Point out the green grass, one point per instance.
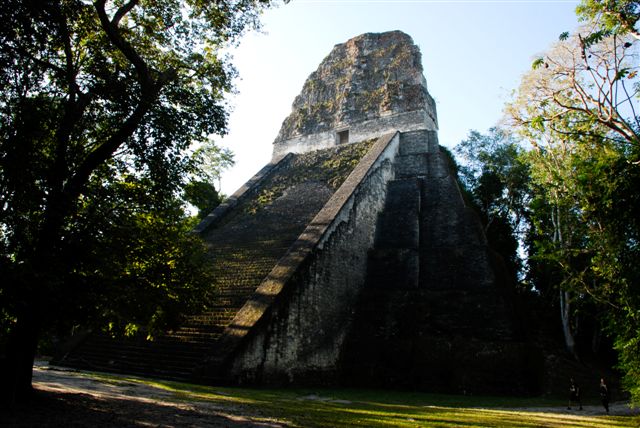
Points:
(377, 408)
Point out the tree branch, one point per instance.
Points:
(45, 64)
(105, 151)
(120, 13)
(113, 33)
(616, 126)
(626, 23)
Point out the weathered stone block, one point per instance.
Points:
(415, 165)
(315, 285)
(454, 332)
(415, 142)
(432, 141)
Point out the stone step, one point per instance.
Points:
(164, 371)
(196, 337)
(194, 327)
(160, 347)
(152, 362)
(173, 355)
(212, 319)
(231, 292)
(169, 360)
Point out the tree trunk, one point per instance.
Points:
(565, 314)
(21, 351)
(565, 298)
(32, 309)
(596, 339)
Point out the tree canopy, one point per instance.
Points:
(578, 110)
(612, 16)
(497, 177)
(101, 105)
(567, 165)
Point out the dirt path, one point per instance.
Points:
(68, 398)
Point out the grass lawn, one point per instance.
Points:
(375, 408)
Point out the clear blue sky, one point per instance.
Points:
(473, 54)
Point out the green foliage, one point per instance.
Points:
(101, 103)
(211, 160)
(594, 38)
(202, 195)
(584, 173)
(496, 177)
(339, 167)
(628, 346)
(156, 271)
(330, 166)
(537, 63)
(620, 16)
(266, 197)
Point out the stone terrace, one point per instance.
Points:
(245, 244)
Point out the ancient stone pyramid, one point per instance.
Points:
(351, 258)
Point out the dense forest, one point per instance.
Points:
(556, 184)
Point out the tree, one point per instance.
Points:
(578, 108)
(586, 85)
(97, 98)
(559, 232)
(202, 195)
(613, 16)
(497, 177)
(212, 161)
(200, 192)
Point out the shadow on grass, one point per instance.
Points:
(56, 409)
(81, 399)
(376, 408)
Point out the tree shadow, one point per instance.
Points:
(53, 409)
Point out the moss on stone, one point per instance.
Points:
(248, 243)
(329, 166)
(369, 75)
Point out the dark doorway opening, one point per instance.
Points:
(343, 137)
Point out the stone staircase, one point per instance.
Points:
(179, 353)
(244, 246)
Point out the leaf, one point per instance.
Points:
(563, 36)
(595, 37)
(537, 63)
(621, 74)
(538, 123)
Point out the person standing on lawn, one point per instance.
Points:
(604, 394)
(574, 395)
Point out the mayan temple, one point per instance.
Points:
(351, 258)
